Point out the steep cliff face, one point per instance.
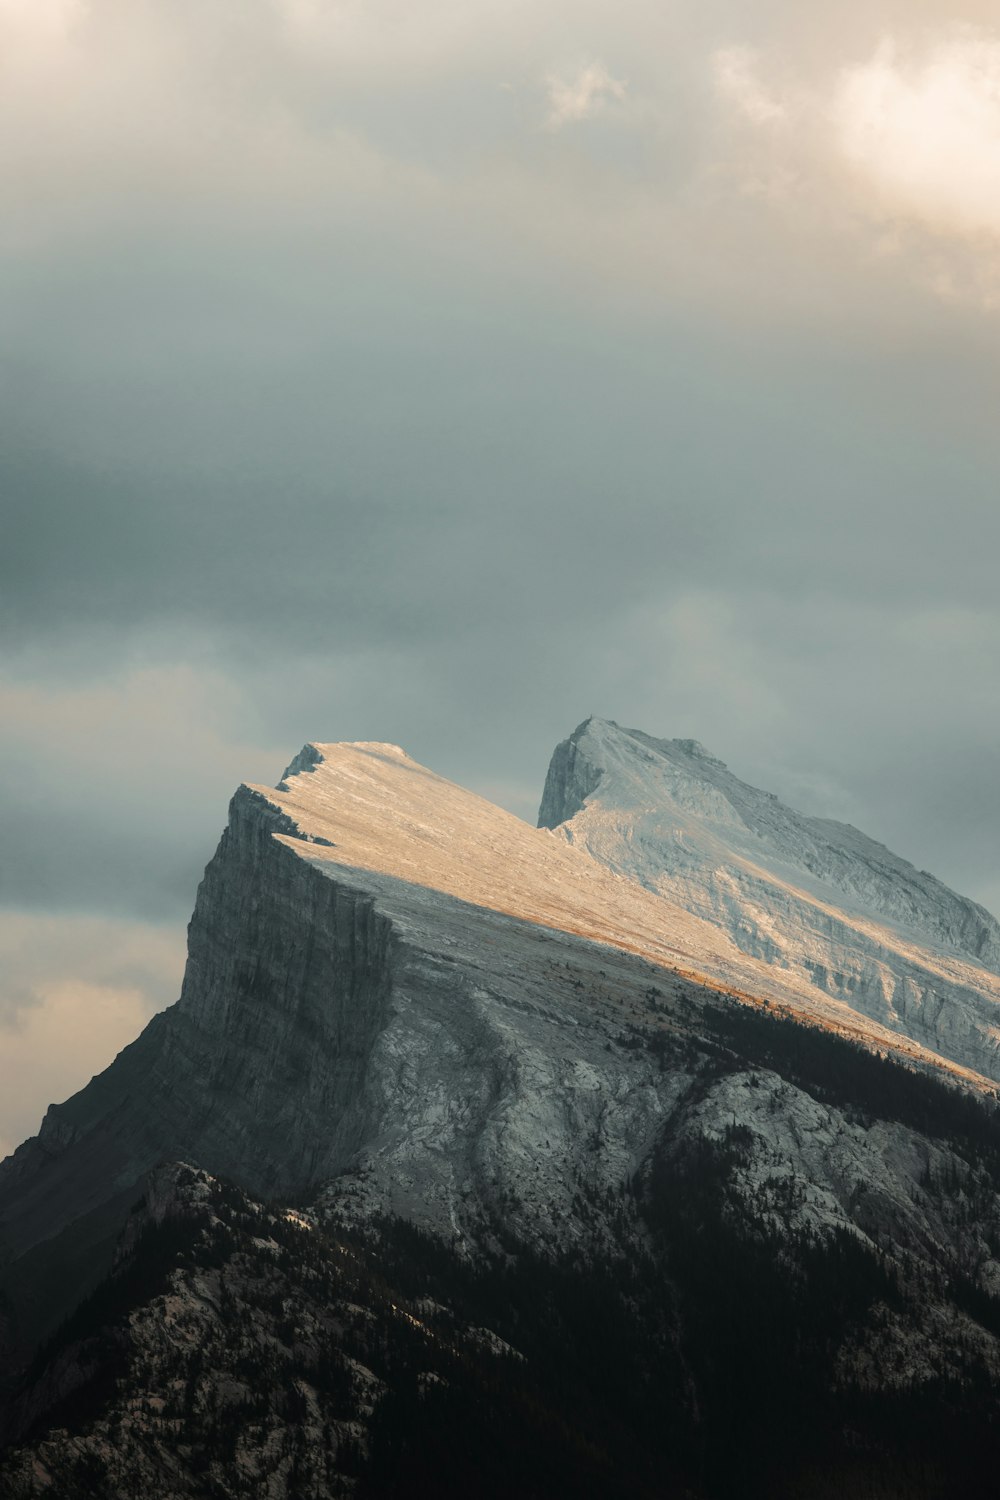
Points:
(258, 1070)
(815, 900)
(289, 978)
(285, 990)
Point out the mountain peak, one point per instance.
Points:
(308, 758)
(598, 747)
(696, 750)
(314, 753)
(608, 731)
(808, 896)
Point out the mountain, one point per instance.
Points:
(816, 900)
(440, 1083)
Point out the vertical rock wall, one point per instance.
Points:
(255, 1074)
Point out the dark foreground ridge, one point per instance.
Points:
(240, 1348)
(236, 1352)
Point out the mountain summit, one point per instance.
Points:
(814, 899)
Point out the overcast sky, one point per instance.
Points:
(445, 373)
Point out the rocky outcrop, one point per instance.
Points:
(571, 778)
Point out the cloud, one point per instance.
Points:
(343, 401)
(76, 990)
(114, 790)
(921, 126)
(73, 1032)
(896, 156)
(33, 24)
(580, 97)
(737, 80)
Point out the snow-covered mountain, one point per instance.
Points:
(390, 975)
(653, 1061)
(816, 900)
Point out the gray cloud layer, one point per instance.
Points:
(444, 379)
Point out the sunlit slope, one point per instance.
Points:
(369, 809)
(816, 901)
